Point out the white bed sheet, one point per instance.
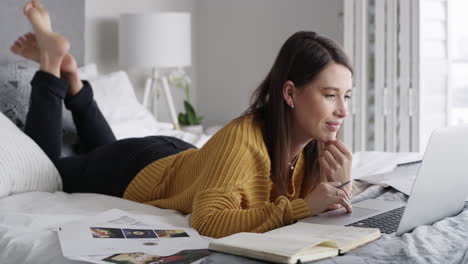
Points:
(28, 221)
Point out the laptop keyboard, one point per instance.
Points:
(387, 222)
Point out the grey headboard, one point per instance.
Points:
(68, 19)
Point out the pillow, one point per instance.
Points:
(116, 99)
(15, 90)
(23, 165)
(88, 71)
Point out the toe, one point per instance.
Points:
(31, 38)
(15, 49)
(36, 3)
(40, 8)
(27, 7)
(19, 44)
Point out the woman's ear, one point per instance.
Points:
(288, 93)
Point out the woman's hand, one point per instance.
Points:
(336, 162)
(325, 196)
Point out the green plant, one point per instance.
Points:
(189, 118)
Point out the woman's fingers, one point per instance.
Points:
(343, 149)
(338, 150)
(324, 164)
(339, 190)
(342, 192)
(347, 194)
(336, 153)
(334, 184)
(330, 198)
(340, 195)
(339, 161)
(330, 159)
(344, 202)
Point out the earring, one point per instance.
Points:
(292, 105)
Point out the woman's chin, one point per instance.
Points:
(327, 137)
(324, 135)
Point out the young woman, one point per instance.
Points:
(277, 163)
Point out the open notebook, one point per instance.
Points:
(298, 242)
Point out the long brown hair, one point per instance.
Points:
(301, 58)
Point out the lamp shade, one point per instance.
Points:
(155, 40)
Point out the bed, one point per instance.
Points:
(28, 221)
(32, 206)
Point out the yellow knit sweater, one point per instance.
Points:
(225, 184)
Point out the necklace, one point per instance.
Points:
(293, 162)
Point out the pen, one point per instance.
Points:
(343, 185)
(409, 163)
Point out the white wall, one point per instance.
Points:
(234, 44)
(101, 39)
(13, 24)
(237, 42)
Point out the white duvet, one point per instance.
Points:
(28, 222)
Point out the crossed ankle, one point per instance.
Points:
(46, 82)
(74, 82)
(81, 99)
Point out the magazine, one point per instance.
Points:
(116, 235)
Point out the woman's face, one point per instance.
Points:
(322, 104)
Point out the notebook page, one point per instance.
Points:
(260, 243)
(342, 236)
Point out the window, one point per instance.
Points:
(444, 65)
(458, 69)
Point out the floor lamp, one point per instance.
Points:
(161, 41)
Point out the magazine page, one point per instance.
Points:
(116, 232)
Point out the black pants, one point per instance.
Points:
(108, 165)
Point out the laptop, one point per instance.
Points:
(439, 191)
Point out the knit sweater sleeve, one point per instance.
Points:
(236, 195)
(218, 214)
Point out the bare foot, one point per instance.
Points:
(52, 46)
(26, 47)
